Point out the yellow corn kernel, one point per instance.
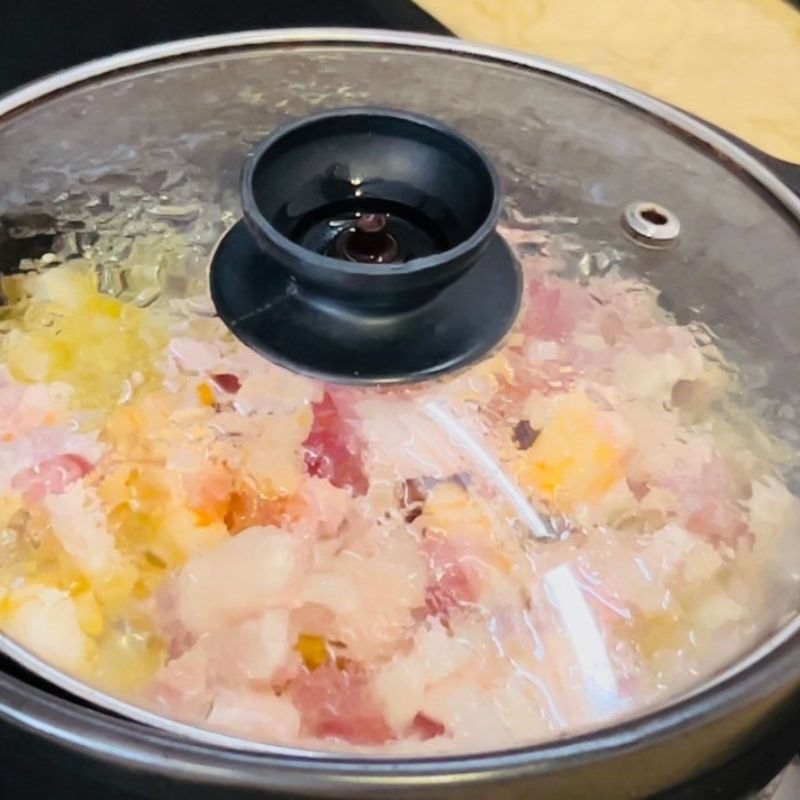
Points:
(205, 394)
(91, 341)
(128, 657)
(79, 586)
(105, 306)
(90, 616)
(313, 650)
(205, 518)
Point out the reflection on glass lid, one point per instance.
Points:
(590, 521)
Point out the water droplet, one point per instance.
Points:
(185, 213)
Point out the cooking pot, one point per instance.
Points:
(614, 173)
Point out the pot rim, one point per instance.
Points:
(127, 742)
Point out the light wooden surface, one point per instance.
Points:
(734, 62)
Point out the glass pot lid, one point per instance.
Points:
(585, 520)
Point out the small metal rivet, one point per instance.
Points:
(650, 224)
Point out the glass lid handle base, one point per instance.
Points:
(368, 251)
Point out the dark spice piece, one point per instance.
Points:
(414, 491)
(524, 435)
(413, 513)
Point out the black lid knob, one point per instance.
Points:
(356, 260)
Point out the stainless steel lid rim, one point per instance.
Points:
(126, 743)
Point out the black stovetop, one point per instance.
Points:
(41, 36)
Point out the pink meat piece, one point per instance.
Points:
(339, 704)
(404, 441)
(238, 579)
(193, 355)
(47, 444)
(326, 507)
(710, 502)
(250, 652)
(255, 715)
(371, 586)
(453, 580)
(333, 448)
(555, 307)
(51, 476)
(181, 688)
(237, 658)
